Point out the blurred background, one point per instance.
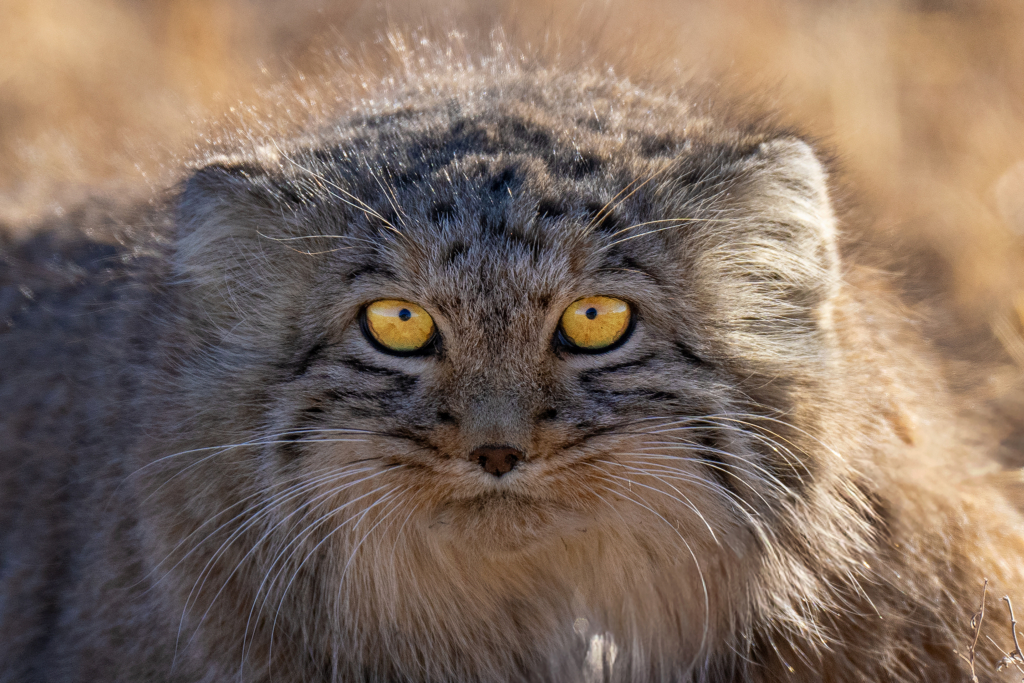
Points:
(921, 101)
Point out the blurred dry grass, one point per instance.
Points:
(923, 101)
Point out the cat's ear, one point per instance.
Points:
(773, 256)
(235, 222)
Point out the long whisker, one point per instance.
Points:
(290, 493)
(394, 495)
(737, 419)
(618, 490)
(197, 588)
(303, 484)
(316, 237)
(650, 449)
(757, 431)
(665, 474)
(612, 203)
(301, 251)
(333, 472)
(666, 426)
(658, 470)
(258, 441)
(199, 462)
(297, 539)
(352, 201)
(401, 530)
(684, 500)
(678, 224)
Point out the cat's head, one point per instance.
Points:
(500, 320)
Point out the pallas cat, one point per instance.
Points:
(504, 373)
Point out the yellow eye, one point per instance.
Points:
(399, 326)
(596, 322)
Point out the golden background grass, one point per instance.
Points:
(922, 102)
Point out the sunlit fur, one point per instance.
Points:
(224, 479)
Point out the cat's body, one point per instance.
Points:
(211, 471)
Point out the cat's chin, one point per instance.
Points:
(503, 523)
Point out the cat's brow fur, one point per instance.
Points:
(210, 473)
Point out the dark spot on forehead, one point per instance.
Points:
(442, 212)
(586, 164)
(494, 224)
(593, 121)
(387, 119)
(290, 194)
(517, 240)
(575, 164)
(504, 181)
(519, 131)
(496, 318)
(657, 145)
(409, 177)
(540, 299)
(456, 252)
(549, 208)
(603, 217)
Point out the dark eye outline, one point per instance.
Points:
(563, 343)
(431, 347)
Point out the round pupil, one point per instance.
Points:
(404, 314)
(591, 313)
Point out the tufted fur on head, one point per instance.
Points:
(762, 480)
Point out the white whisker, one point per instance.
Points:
(618, 490)
(298, 539)
(274, 503)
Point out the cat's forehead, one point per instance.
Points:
(501, 231)
(521, 197)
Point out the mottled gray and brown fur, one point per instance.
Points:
(210, 474)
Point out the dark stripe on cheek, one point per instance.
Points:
(790, 466)
(360, 366)
(590, 375)
(590, 431)
(689, 354)
(708, 445)
(378, 398)
(651, 394)
(291, 448)
(308, 358)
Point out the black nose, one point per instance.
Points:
(496, 460)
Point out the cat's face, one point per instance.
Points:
(502, 426)
(496, 421)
